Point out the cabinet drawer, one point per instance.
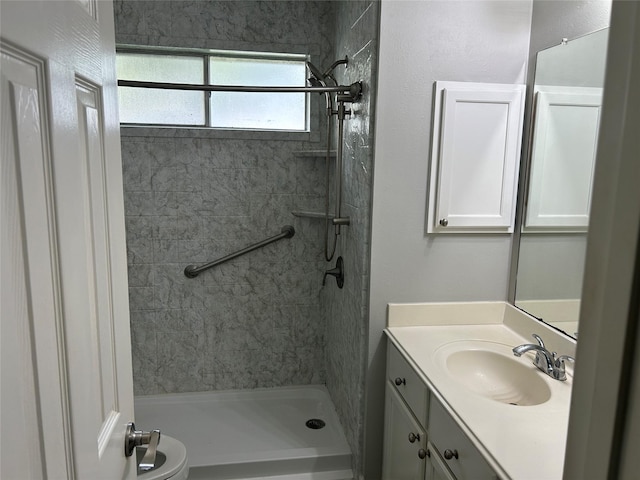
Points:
(447, 437)
(408, 384)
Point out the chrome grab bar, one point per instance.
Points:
(192, 271)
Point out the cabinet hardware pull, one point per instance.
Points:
(449, 454)
(444, 222)
(422, 453)
(400, 381)
(413, 437)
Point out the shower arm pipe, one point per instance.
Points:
(192, 271)
(354, 90)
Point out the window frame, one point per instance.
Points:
(205, 55)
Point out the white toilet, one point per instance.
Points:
(171, 461)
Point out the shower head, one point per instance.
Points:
(316, 79)
(314, 82)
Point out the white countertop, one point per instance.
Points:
(519, 442)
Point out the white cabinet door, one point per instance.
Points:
(461, 457)
(436, 469)
(66, 362)
(401, 456)
(477, 133)
(563, 156)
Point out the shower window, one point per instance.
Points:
(223, 110)
(264, 111)
(160, 107)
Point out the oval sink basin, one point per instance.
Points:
(489, 369)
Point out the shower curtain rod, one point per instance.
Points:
(354, 90)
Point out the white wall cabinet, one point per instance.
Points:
(421, 440)
(475, 157)
(563, 156)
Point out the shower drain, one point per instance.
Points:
(315, 423)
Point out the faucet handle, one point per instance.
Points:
(559, 371)
(538, 339)
(560, 360)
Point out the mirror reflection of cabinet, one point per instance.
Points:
(565, 133)
(567, 95)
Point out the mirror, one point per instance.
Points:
(567, 95)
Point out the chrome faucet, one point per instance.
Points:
(545, 360)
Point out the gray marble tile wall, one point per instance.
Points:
(253, 322)
(194, 195)
(346, 311)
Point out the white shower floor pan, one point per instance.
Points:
(252, 434)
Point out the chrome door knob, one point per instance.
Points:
(136, 438)
(444, 222)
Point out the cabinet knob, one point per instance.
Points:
(449, 454)
(444, 222)
(413, 437)
(422, 453)
(400, 381)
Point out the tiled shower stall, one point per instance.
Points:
(193, 195)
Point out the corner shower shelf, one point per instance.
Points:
(315, 153)
(307, 214)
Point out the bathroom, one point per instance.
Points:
(329, 335)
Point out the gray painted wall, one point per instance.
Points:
(421, 42)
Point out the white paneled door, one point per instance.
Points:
(66, 394)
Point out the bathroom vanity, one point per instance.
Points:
(460, 405)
